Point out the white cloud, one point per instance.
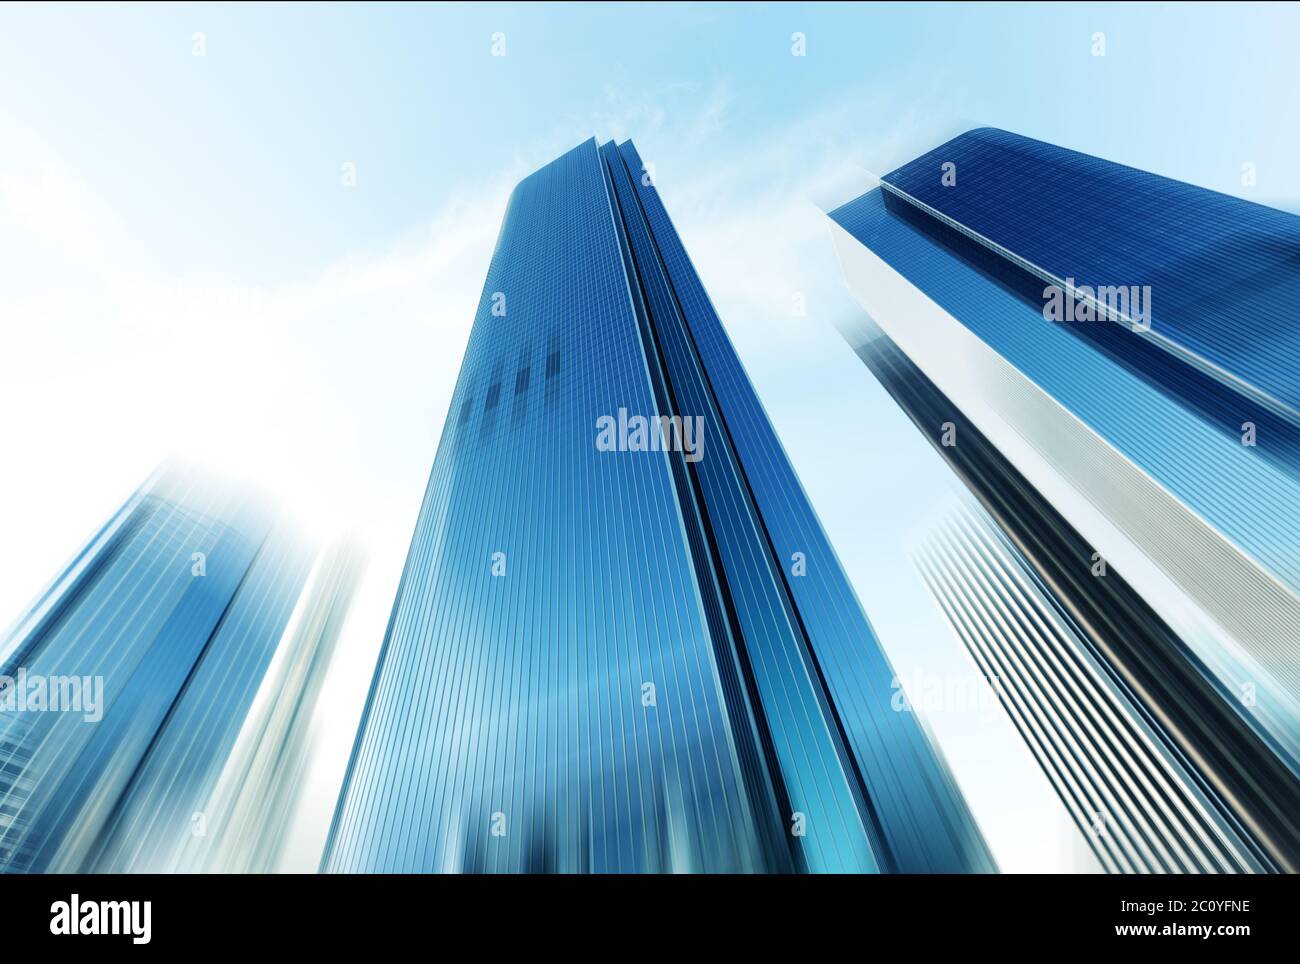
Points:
(339, 380)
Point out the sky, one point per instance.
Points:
(257, 236)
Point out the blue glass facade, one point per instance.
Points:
(1176, 422)
(1223, 270)
(1187, 404)
(169, 617)
(632, 660)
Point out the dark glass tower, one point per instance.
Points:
(1107, 358)
(617, 650)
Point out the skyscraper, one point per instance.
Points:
(1106, 357)
(1138, 806)
(622, 641)
(250, 810)
(127, 683)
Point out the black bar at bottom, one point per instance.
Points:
(462, 916)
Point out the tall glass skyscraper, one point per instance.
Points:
(622, 641)
(124, 689)
(1108, 357)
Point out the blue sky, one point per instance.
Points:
(182, 265)
(247, 141)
